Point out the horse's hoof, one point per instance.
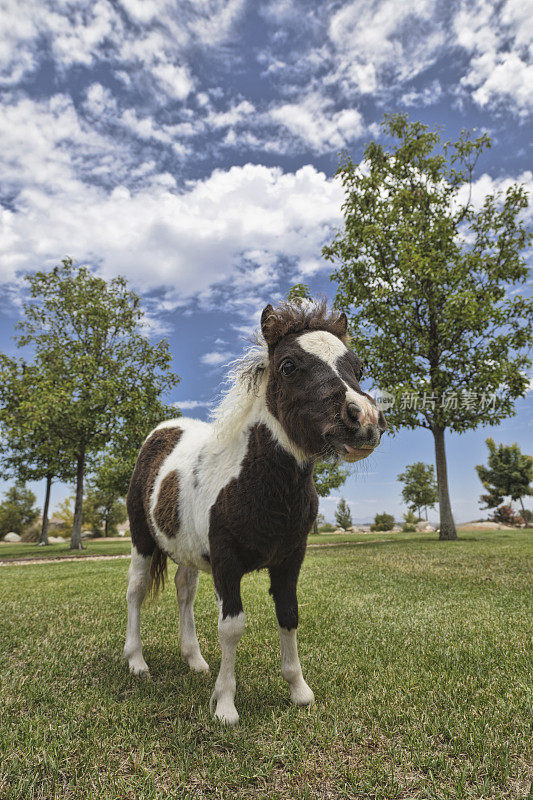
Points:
(198, 664)
(139, 670)
(302, 696)
(227, 717)
(225, 712)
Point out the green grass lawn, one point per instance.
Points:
(93, 547)
(99, 547)
(418, 652)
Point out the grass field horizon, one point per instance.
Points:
(122, 546)
(416, 649)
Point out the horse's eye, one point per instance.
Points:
(287, 368)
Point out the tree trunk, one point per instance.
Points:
(447, 525)
(44, 526)
(75, 540)
(315, 526)
(106, 526)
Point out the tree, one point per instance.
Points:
(420, 487)
(298, 293)
(328, 475)
(343, 517)
(32, 446)
(429, 285)
(508, 474)
(90, 334)
(382, 522)
(527, 516)
(17, 509)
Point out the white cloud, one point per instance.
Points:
(185, 240)
(215, 19)
(379, 42)
(149, 38)
(187, 405)
(499, 40)
(234, 115)
(486, 184)
(216, 358)
(317, 125)
(425, 97)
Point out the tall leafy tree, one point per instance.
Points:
(32, 442)
(343, 516)
(419, 486)
(91, 333)
(508, 474)
(429, 283)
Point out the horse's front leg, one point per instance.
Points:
(231, 624)
(283, 580)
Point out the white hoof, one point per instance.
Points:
(225, 711)
(197, 663)
(138, 666)
(302, 695)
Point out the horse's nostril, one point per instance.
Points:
(353, 411)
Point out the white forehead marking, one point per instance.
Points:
(329, 348)
(324, 345)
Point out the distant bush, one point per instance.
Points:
(31, 532)
(410, 520)
(382, 522)
(327, 528)
(506, 516)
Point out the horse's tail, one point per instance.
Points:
(158, 572)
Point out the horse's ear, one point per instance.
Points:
(269, 324)
(341, 326)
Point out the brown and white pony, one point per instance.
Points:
(237, 494)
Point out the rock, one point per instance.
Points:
(12, 537)
(352, 529)
(339, 530)
(395, 529)
(56, 540)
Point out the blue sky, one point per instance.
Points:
(191, 147)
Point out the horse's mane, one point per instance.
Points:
(247, 374)
(241, 386)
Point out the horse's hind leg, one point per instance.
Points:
(186, 580)
(138, 585)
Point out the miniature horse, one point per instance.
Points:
(238, 495)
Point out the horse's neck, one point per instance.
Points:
(271, 460)
(256, 413)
